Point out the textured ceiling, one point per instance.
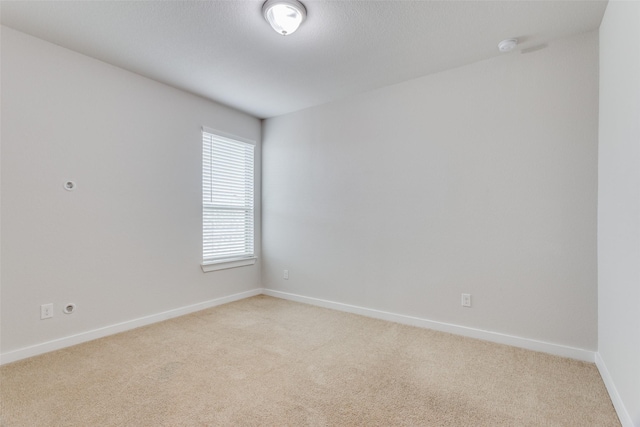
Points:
(226, 51)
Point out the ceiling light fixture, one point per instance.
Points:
(285, 16)
(507, 45)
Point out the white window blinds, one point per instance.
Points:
(227, 199)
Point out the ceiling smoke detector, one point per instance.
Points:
(507, 45)
(284, 16)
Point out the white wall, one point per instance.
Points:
(619, 207)
(481, 180)
(127, 243)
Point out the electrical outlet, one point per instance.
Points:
(466, 300)
(286, 274)
(46, 311)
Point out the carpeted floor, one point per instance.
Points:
(269, 362)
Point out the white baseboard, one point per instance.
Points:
(621, 410)
(59, 343)
(529, 344)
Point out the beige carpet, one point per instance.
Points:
(269, 362)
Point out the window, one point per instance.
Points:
(227, 202)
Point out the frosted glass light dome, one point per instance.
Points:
(285, 16)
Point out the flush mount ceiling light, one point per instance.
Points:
(507, 45)
(285, 16)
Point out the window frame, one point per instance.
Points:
(235, 260)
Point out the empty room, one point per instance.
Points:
(322, 213)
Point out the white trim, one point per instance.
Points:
(529, 344)
(34, 350)
(227, 135)
(618, 404)
(227, 263)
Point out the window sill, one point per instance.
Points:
(227, 263)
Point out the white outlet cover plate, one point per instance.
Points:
(466, 300)
(46, 311)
